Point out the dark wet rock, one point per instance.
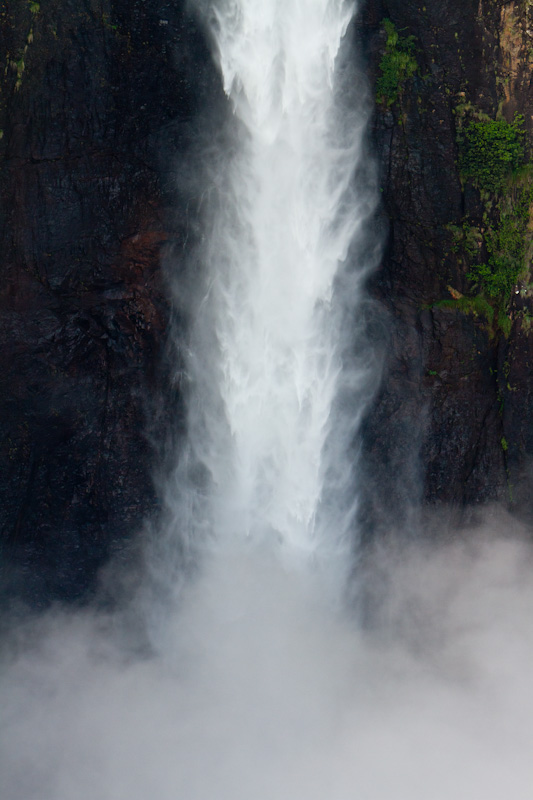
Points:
(450, 425)
(94, 101)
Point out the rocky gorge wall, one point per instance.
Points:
(95, 98)
(452, 421)
(98, 99)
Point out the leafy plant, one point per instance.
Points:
(397, 64)
(466, 238)
(478, 306)
(498, 250)
(506, 244)
(491, 150)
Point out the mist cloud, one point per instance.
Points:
(260, 688)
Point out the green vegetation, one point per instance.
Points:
(506, 241)
(478, 306)
(491, 150)
(505, 246)
(497, 251)
(18, 65)
(397, 64)
(108, 24)
(466, 238)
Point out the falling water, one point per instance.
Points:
(276, 396)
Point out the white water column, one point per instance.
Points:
(278, 235)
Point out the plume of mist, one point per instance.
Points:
(261, 688)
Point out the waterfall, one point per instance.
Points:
(276, 393)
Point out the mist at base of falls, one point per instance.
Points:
(262, 689)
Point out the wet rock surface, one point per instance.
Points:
(95, 101)
(449, 425)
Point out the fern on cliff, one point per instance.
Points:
(397, 64)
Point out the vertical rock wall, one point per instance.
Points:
(451, 423)
(94, 97)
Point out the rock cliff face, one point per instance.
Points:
(95, 97)
(452, 421)
(98, 97)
